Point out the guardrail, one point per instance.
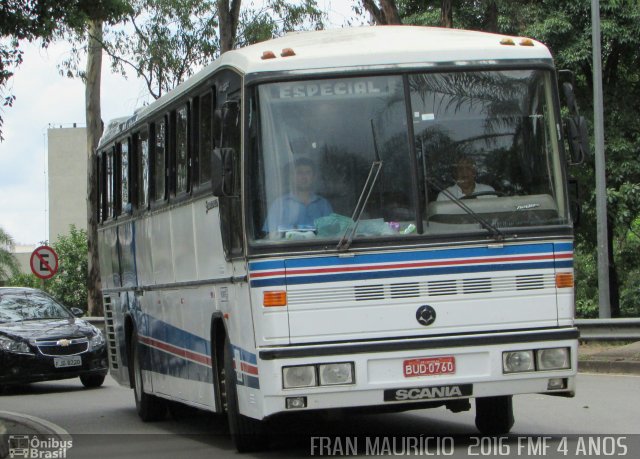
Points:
(590, 329)
(609, 329)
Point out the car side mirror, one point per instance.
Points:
(77, 312)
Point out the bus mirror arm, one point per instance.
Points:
(224, 166)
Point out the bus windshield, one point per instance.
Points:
(458, 152)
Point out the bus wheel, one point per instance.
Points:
(149, 407)
(247, 434)
(494, 415)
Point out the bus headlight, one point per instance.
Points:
(553, 359)
(517, 361)
(300, 376)
(336, 373)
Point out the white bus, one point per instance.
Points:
(366, 217)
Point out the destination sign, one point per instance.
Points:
(357, 87)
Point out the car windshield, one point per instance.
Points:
(21, 306)
(459, 152)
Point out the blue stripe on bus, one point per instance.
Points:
(261, 265)
(563, 246)
(356, 276)
(158, 329)
(246, 356)
(250, 381)
(393, 257)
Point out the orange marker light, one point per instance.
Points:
(276, 298)
(287, 52)
(507, 41)
(564, 280)
(268, 55)
(526, 42)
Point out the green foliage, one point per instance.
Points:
(565, 27)
(8, 262)
(44, 19)
(69, 285)
(25, 280)
(276, 18)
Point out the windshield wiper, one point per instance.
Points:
(369, 184)
(495, 232)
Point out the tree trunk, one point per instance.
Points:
(229, 18)
(386, 14)
(446, 14)
(94, 131)
(491, 17)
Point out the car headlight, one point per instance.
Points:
(96, 340)
(17, 347)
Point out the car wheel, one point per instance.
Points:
(91, 381)
(248, 434)
(149, 407)
(494, 415)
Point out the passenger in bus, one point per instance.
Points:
(466, 185)
(299, 209)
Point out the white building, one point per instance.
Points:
(67, 178)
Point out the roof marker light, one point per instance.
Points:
(268, 55)
(507, 41)
(287, 52)
(526, 42)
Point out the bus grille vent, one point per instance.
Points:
(369, 292)
(530, 282)
(111, 333)
(444, 287)
(406, 290)
(480, 285)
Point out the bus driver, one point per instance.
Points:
(299, 209)
(466, 185)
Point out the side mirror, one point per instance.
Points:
(77, 312)
(224, 179)
(578, 138)
(575, 128)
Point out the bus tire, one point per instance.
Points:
(149, 407)
(247, 434)
(494, 415)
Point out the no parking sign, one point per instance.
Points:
(44, 262)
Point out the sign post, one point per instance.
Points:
(44, 262)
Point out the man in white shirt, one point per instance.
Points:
(466, 186)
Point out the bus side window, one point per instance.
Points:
(109, 182)
(227, 134)
(159, 171)
(100, 188)
(142, 166)
(181, 150)
(125, 182)
(205, 140)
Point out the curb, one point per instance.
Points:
(33, 424)
(626, 367)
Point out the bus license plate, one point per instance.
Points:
(429, 366)
(64, 362)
